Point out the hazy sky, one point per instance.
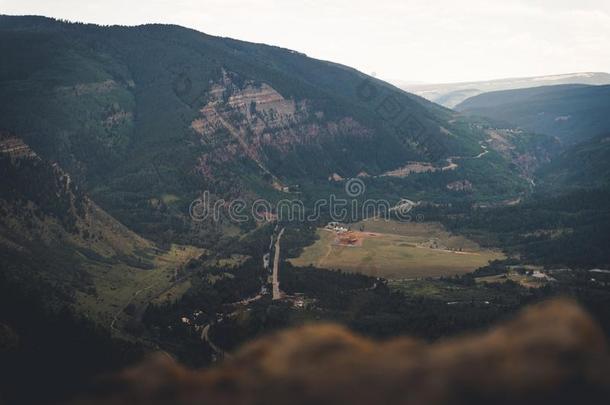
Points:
(406, 40)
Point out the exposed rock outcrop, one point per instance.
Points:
(244, 118)
(14, 147)
(460, 185)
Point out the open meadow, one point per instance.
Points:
(118, 286)
(396, 250)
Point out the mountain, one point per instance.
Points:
(452, 94)
(584, 165)
(112, 132)
(572, 113)
(565, 221)
(52, 234)
(146, 118)
(109, 135)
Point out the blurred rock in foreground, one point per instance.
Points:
(551, 353)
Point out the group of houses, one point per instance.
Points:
(337, 227)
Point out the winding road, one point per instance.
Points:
(205, 330)
(205, 336)
(428, 167)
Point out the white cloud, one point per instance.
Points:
(413, 40)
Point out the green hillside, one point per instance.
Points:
(53, 235)
(565, 221)
(108, 134)
(146, 118)
(573, 113)
(581, 166)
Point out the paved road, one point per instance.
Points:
(276, 264)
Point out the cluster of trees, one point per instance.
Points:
(568, 229)
(370, 307)
(37, 181)
(212, 288)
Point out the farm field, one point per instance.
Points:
(395, 250)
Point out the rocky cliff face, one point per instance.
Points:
(552, 353)
(244, 118)
(39, 202)
(14, 148)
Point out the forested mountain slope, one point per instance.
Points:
(53, 236)
(573, 113)
(584, 165)
(145, 118)
(452, 94)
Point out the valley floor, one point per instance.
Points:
(395, 250)
(123, 292)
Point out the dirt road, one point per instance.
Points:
(205, 336)
(276, 265)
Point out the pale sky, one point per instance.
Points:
(400, 40)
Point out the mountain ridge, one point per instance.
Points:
(452, 94)
(120, 108)
(571, 112)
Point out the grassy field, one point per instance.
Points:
(443, 290)
(118, 286)
(452, 293)
(178, 289)
(396, 250)
(524, 280)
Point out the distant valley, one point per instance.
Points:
(452, 94)
(573, 113)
